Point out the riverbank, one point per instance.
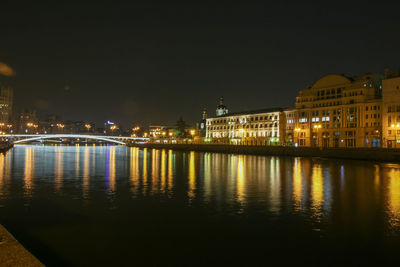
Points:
(5, 146)
(373, 154)
(12, 253)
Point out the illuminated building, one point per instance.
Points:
(391, 109)
(6, 101)
(259, 127)
(27, 120)
(338, 111)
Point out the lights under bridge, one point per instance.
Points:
(24, 138)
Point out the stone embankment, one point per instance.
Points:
(12, 253)
(374, 154)
(5, 146)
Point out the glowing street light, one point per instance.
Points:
(88, 126)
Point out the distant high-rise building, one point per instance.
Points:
(6, 99)
(27, 120)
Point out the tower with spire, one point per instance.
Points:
(221, 109)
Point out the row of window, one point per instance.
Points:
(271, 117)
(231, 127)
(393, 108)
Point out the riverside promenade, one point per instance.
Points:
(373, 154)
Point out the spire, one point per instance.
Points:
(204, 116)
(221, 101)
(221, 109)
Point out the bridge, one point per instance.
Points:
(23, 138)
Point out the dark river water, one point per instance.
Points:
(120, 206)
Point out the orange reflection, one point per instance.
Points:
(170, 173)
(86, 173)
(29, 171)
(394, 197)
(275, 184)
(163, 170)
(317, 190)
(111, 171)
(297, 183)
(58, 174)
(2, 182)
(144, 170)
(192, 176)
(134, 169)
(240, 187)
(207, 176)
(154, 170)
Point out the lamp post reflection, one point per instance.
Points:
(29, 172)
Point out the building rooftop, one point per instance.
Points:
(257, 111)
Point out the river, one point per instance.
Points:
(120, 206)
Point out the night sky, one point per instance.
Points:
(146, 62)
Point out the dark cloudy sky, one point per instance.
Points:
(148, 62)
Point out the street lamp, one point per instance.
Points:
(397, 126)
(297, 130)
(317, 127)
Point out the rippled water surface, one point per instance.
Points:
(119, 206)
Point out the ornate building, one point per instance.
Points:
(338, 111)
(258, 127)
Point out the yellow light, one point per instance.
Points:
(192, 132)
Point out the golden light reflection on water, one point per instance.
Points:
(144, 179)
(275, 184)
(163, 171)
(207, 177)
(111, 171)
(240, 181)
(58, 173)
(297, 184)
(155, 164)
(86, 173)
(394, 197)
(29, 172)
(317, 190)
(134, 169)
(2, 179)
(192, 176)
(170, 169)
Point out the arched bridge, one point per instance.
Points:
(22, 138)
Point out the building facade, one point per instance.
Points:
(6, 102)
(258, 127)
(336, 111)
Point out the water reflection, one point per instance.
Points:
(29, 172)
(297, 184)
(58, 173)
(311, 188)
(110, 172)
(192, 176)
(394, 197)
(86, 172)
(317, 191)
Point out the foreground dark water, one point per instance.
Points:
(119, 206)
